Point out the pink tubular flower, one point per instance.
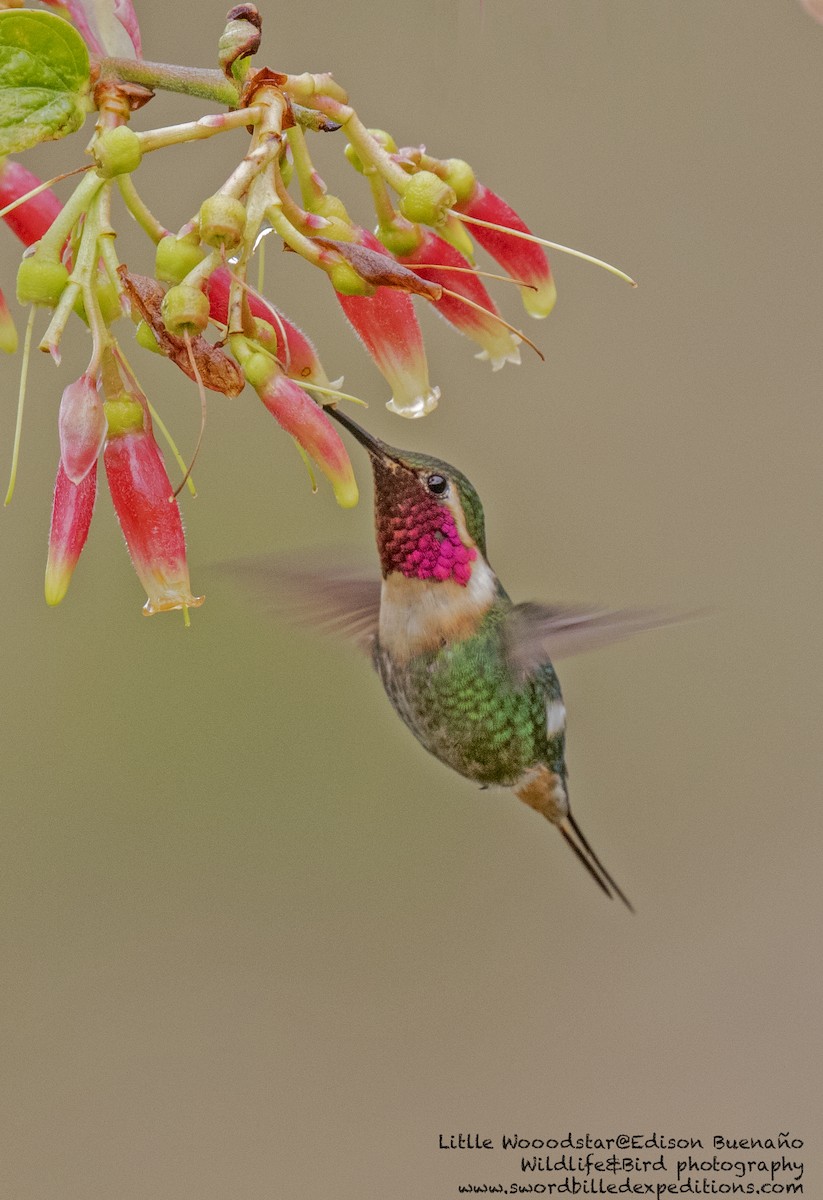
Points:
(30, 220)
(305, 420)
(82, 426)
(294, 350)
(147, 512)
(70, 519)
(387, 326)
(521, 259)
(108, 27)
(499, 344)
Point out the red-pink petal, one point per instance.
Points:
(109, 27)
(498, 343)
(82, 426)
(521, 259)
(150, 520)
(70, 519)
(30, 220)
(305, 420)
(387, 326)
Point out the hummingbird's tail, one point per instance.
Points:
(579, 843)
(545, 790)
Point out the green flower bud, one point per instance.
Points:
(400, 239)
(222, 222)
(175, 257)
(354, 158)
(116, 151)
(265, 334)
(259, 369)
(41, 281)
(427, 199)
(185, 309)
(123, 415)
(107, 298)
(346, 281)
(459, 175)
(332, 208)
(144, 336)
(384, 139)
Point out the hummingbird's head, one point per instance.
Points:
(428, 517)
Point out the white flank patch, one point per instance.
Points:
(555, 717)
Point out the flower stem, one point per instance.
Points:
(53, 240)
(21, 399)
(134, 202)
(368, 148)
(193, 81)
(192, 131)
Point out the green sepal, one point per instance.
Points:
(117, 151)
(175, 257)
(44, 79)
(124, 415)
(144, 336)
(426, 199)
(41, 280)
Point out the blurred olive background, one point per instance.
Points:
(256, 943)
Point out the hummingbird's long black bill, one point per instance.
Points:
(579, 843)
(374, 446)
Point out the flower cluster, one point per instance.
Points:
(197, 307)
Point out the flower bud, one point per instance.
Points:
(259, 369)
(239, 40)
(150, 519)
(41, 280)
(382, 138)
(222, 222)
(346, 281)
(70, 520)
(185, 309)
(305, 420)
(175, 257)
(116, 151)
(144, 336)
(459, 175)
(107, 298)
(401, 237)
(427, 199)
(82, 426)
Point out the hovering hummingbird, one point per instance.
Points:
(466, 669)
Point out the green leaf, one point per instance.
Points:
(44, 79)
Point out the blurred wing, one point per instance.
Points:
(535, 632)
(325, 595)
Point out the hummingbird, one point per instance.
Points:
(466, 669)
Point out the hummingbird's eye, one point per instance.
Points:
(437, 484)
